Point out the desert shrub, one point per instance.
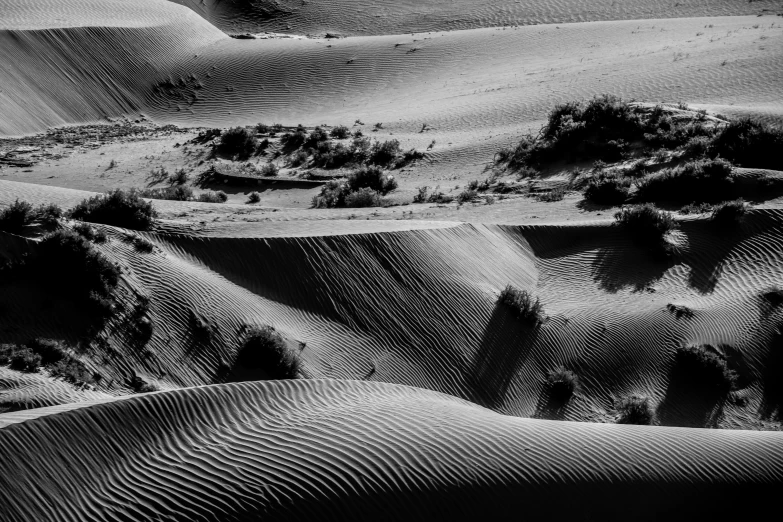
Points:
(16, 217)
(23, 359)
(6, 351)
(421, 196)
(173, 193)
(385, 154)
(360, 149)
(467, 196)
(316, 138)
(439, 197)
(90, 233)
(254, 197)
(295, 139)
(210, 196)
(634, 409)
(553, 195)
(262, 128)
(646, 223)
(120, 208)
(729, 212)
(71, 370)
(202, 332)
(696, 208)
(139, 385)
(705, 368)
(180, 177)
(522, 304)
(48, 216)
(562, 384)
(333, 194)
(371, 177)
(699, 181)
(298, 158)
(142, 245)
(340, 132)
(750, 144)
(68, 262)
(264, 348)
(50, 350)
(237, 141)
(698, 145)
(269, 169)
(364, 197)
(607, 189)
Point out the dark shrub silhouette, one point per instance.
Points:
(120, 208)
(238, 141)
(634, 409)
(264, 348)
(522, 304)
(562, 384)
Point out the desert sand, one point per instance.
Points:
(417, 393)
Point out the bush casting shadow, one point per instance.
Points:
(502, 351)
(699, 383)
(265, 349)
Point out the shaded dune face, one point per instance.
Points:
(173, 66)
(415, 303)
(375, 17)
(346, 450)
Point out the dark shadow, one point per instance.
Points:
(506, 344)
(617, 267)
(692, 397)
(550, 406)
(771, 407)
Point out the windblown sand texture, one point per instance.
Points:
(420, 397)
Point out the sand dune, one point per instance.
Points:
(374, 17)
(347, 450)
(414, 303)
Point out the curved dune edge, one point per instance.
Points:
(374, 17)
(350, 450)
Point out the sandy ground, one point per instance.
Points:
(421, 397)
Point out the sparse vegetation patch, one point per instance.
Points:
(522, 304)
(119, 208)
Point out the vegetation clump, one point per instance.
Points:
(237, 141)
(364, 197)
(749, 144)
(706, 367)
(55, 356)
(634, 409)
(608, 188)
(264, 348)
(522, 304)
(210, 196)
(20, 215)
(253, 197)
(340, 132)
(647, 224)
(119, 208)
(729, 213)
(562, 384)
(705, 180)
(364, 187)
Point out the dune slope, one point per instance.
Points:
(347, 450)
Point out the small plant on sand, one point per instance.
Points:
(551, 196)
(467, 196)
(269, 169)
(262, 128)
(646, 224)
(522, 304)
(173, 193)
(607, 188)
(340, 132)
(119, 208)
(180, 177)
(729, 213)
(142, 245)
(18, 216)
(750, 144)
(421, 197)
(706, 367)
(371, 177)
(23, 359)
(210, 196)
(364, 197)
(696, 208)
(634, 409)
(90, 233)
(562, 384)
(264, 348)
(699, 181)
(253, 197)
(238, 141)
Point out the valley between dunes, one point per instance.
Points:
(419, 395)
